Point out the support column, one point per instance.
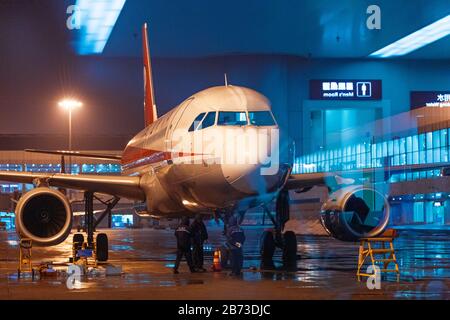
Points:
(447, 212)
(407, 212)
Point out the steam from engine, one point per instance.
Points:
(43, 215)
(355, 212)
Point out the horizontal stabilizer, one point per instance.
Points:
(93, 155)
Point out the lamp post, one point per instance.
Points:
(70, 105)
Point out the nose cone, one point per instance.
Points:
(250, 179)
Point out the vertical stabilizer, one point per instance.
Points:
(150, 114)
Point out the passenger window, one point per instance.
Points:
(209, 121)
(261, 118)
(196, 122)
(227, 118)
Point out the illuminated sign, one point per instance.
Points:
(345, 89)
(439, 99)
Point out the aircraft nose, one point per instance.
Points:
(248, 178)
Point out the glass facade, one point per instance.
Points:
(101, 168)
(424, 148)
(428, 147)
(85, 168)
(122, 220)
(10, 167)
(7, 220)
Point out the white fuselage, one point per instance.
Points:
(216, 165)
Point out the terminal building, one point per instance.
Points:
(419, 199)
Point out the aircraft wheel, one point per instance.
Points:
(267, 250)
(78, 240)
(289, 251)
(102, 247)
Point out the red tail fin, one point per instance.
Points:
(150, 114)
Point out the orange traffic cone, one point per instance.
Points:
(216, 261)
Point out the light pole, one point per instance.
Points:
(70, 105)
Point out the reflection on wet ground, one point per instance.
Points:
(326, 270)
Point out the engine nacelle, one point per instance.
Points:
(44, 215)
(355, 212)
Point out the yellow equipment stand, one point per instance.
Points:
(381, 251)
(25, 264)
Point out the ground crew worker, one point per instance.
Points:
(199, 236)
(183, 235)
(235, 242)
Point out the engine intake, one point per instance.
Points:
(43, 215)
(355, 212)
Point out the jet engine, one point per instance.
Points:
(44, 215)
(355, 212)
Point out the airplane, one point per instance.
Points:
(173, 167)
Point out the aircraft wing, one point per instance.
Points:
(307, 180)
(122, 186)
(92, 155)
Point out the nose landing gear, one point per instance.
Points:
(99, 247)
(286, 241)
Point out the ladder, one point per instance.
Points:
(381, 252)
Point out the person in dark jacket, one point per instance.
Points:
(199, 236)
(235, 242)
(183, 235)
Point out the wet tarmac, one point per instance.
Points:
(326, 270)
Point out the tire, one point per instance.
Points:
(102, 247)
(289, 251)
(78, 238)
(267, 250)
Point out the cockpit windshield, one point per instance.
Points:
(261, 118)
(231, 118)
(197, 122)
(208, 121)
(202, 121)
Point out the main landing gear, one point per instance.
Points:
(99, 246)
(271, 239)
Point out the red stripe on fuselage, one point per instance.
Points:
(133, 154)
(134, 157)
